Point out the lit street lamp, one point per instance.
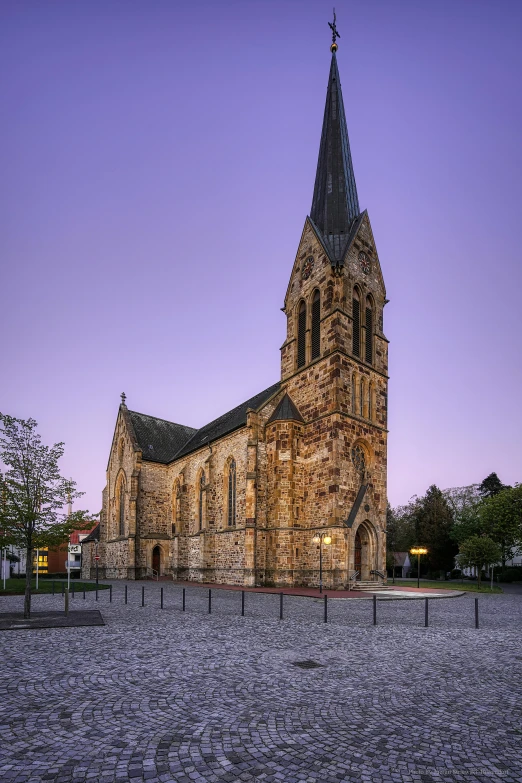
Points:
(321, 538)
(418, 550)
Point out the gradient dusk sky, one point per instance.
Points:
(158, 161)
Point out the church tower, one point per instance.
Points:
(334, 365)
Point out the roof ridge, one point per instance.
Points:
(167, 421)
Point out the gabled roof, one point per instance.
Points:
(94, 535)
(335, 204)
(286, 410)
(159, 440)
(229, 422)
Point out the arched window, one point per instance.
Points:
(231, 515)
(301, 335)
(201, 500)
(370, 405)
(176, 508)
(356, 312)
(121, 508)
(354, 391)
(361, 398)
(368, 322)
(316, 325)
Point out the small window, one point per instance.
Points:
(361, 398)
(370, 406)
(354, 387)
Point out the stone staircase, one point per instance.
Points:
(368, 585)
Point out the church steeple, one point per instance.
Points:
(335, 204)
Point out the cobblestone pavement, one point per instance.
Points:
(162, 695)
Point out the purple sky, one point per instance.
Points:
(158, 160)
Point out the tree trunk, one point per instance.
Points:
(28, 575)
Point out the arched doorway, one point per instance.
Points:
(365, 550)
(156, 559)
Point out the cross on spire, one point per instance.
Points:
(123, 398)
(335, 34)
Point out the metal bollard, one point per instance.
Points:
(125, 593)
(183, 599)
(476, 613)
(281, 606)
(110, 594)
(53, 586)
(326, 608)
(66, 602)
(63, 589)
(161, 593)
(374, 609)
(209, 601)
(426, 612)
(242, 603)
(96, 592)
(72, 584)
(143, 595)
(84, 591)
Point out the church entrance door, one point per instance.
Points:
(357, 561)
(156, 559)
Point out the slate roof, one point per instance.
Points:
(94, 535)
(286, 410)
(335, 204)
(229, 422)
(163, 441)
(159, 440)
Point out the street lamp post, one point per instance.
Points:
(321, 538)
(418, 550)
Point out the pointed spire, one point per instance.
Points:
(335, 204)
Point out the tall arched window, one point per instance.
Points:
(316, 325)
(368, 322)
(231, 516)
(121, 509)
(201, 500)
(354, 392)
(301, 335)
(361, 398)
(356, 312)
(370, 402)
(176, 508)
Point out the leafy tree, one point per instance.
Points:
(403, 526)
(434, 521)
(491, 486)
(501, 520)
(478, 552)
(34, 494)
(465, 504)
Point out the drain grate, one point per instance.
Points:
(307, 664)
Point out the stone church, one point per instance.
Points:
(241, 499)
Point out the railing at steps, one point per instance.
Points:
(379, 573)
(152, 574)
(353, 579)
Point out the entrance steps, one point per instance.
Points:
(370, 586)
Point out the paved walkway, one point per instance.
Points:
(187, 697)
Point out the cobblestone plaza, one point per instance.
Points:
(162, 695)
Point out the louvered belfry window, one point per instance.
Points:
(369, 333)
(232, 494)
(301, 336)
(356, 325)
(316, 325)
